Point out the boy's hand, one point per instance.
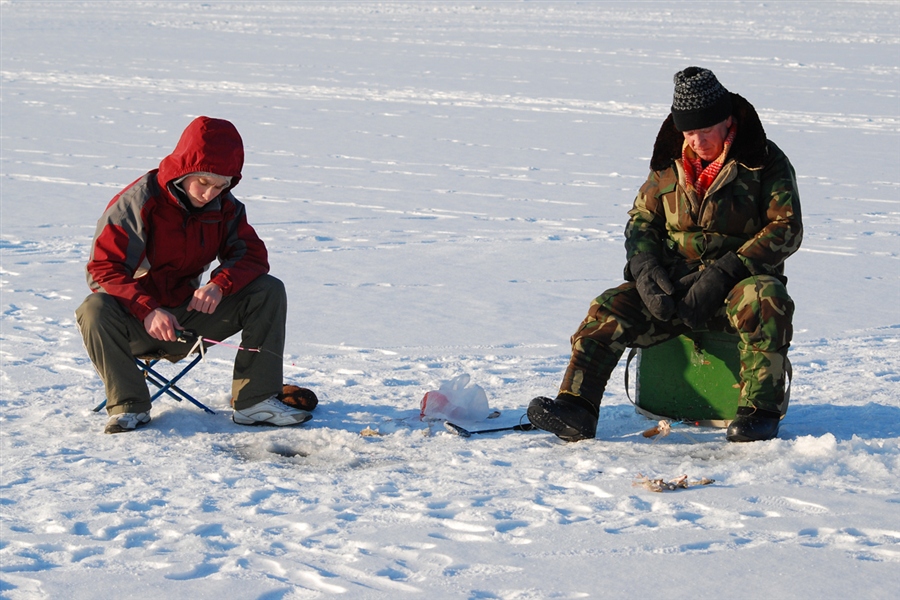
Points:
(206, 299)
(161, 325)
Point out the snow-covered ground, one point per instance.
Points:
(443, 188)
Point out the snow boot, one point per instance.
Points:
(753, 425)
(571, 418)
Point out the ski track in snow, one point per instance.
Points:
(192, 87)
(443, 188)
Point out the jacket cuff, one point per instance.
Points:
(141, 310)
(223, 282)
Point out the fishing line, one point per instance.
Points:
(185, 335)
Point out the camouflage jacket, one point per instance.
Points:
(752, 207)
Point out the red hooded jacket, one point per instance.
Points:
(150, 250)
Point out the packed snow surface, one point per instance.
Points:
(443, 188)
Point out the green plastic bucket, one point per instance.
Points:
(693, 378)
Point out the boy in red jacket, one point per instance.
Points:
(152, 244)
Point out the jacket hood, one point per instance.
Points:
(749, 148)
(207, 145)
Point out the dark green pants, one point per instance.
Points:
(113, 337)
(758, 309)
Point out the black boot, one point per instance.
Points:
(569, 417)
(753, 425)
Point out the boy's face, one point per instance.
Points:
(203, 189)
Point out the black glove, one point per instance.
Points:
(684, 284)
(710, 289)
(653, 285)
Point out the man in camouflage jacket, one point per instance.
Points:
(706, 243)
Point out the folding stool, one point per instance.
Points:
(166, 386)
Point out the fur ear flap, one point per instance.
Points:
(667, 146)
(750, 145)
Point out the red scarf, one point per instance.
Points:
(697, 177)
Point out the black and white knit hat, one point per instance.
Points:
(700, 100)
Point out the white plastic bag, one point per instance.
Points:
(454, 401)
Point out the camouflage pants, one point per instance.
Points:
(758, 309)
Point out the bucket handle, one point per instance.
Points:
(631, 354)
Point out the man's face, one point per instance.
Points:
(708, 143)
(203, 189)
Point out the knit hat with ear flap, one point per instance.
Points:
(700, 100)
